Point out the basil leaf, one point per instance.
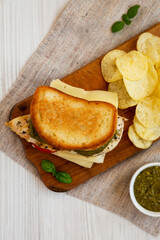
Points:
(117, 26)
(126, 19)
(132, 12)
(63, 177)
(48, 166)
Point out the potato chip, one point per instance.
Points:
(124, 100)
(141, 41)
(109, 69)
(148, 111)
(156, 92)
(149, 134)
(136, 140)
(143, 87)
(149, 45)
(133, 65)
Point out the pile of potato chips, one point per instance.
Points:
(135, 76)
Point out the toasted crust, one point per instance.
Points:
(67, 122)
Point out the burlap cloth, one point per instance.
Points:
(80, 35)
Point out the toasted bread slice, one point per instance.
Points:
(67, 122)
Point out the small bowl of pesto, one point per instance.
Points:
(145, 189)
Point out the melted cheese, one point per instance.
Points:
(95, 95)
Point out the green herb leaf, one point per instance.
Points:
(117, 26)
(126, 19)
(132, 11)
(48, 166)
(63, 177)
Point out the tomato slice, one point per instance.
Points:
(42, 149)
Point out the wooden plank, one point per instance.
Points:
(89, 78)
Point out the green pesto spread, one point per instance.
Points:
(33, 133)
(147, 188)
(88, 153)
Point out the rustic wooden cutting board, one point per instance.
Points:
(89, 78)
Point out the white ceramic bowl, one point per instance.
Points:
(131, 190)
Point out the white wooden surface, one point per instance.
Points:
(28, 210)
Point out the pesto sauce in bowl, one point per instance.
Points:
(147, 188)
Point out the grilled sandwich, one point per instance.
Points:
(73, 128)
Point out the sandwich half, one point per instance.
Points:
(73, 128)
